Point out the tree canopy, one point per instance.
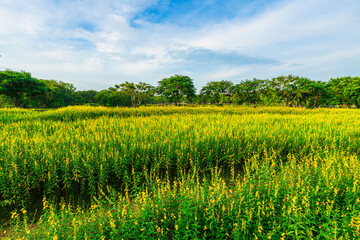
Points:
(176, 88)
(216, 91)
(20, 87)
(137, 92)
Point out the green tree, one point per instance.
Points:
(345, 91)
(60, 94)
(294, 90)
(20, 87)
(216, 91)
(4, 100)
(248, 92)
(137, 92)
(176, 88)
(283, 89)
(310, 93)
(112, 98)
(84, 97)
(144, 91)
(291, 90)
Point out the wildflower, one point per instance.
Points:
(44, 203)
(282, 236)
(112, 223)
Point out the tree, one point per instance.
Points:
(4, 101)
(248, 92)
(310, 93)
(216, 91)
(84, 97)
(20, 87)
(112, 98)
(345, 90)
(176, 88)
(60, 94)
(283, 89)
(294, 90)
(144, 91)
(129, 89)
(138, 92)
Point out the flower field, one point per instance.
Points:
(180, 173)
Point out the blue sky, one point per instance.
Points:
(97, 44)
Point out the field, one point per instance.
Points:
(180, 173)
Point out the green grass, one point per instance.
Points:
(182, 173)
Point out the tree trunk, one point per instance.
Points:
(133, 100)
(314, 101)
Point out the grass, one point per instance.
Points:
(181, 173)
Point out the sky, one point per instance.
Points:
(97, 44)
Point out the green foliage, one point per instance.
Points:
(60, 94)
(344, 91)
(138, 92)
(248, 92)
(176, 88)
(113, 98)
(215, 91)
(20, 87)
(193, 173)
(84, 97)
(4, 101)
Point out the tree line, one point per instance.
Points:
(20, 89)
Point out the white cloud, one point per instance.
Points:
(93, 45)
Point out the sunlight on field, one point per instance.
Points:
(181, 173)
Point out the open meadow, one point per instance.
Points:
(180, 173)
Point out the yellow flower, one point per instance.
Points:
(282, 236)
(176, 227)
(112, 223)
(14, 214)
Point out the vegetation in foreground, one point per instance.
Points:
(181, 173)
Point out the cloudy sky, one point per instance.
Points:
(95, 44)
